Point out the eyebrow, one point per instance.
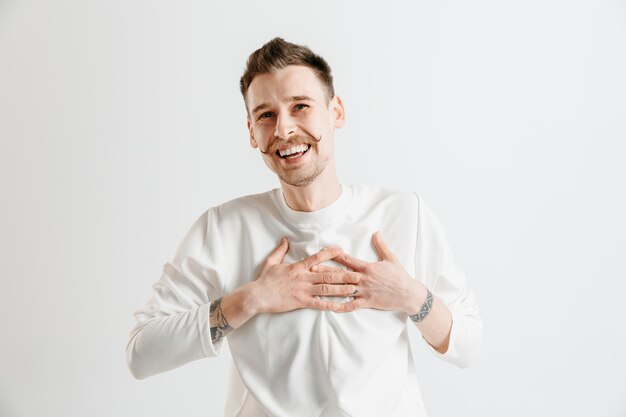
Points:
(291, 99)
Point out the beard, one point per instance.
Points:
(303, 177)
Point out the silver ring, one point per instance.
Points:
(354, 292)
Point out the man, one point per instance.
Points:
(316, 324)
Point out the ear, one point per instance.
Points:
(338, 112)
(252, 140)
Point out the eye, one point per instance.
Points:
(266, 115)
(300, 106)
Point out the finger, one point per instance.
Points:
(324, 255)
(278, 254)
(326, 268)
(382, 248)
(351, 306)
(333, 290)
(323, 305)
(342, 277)
(350, 261)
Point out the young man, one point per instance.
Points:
(317, 324)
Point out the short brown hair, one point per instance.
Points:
(277, 54)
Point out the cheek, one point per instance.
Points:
(314, 127)
(262, 135)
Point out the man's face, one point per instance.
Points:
(289, 116)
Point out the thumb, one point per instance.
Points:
(279, 253)
(381, 247)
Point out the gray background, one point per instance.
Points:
(121, 122)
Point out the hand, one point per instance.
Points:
(384, 285)
(285, 287)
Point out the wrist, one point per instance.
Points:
(424, 310)
(238, 307)
(417, 295)
(249, 299)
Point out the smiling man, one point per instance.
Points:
(317, 323)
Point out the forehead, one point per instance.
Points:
(280, 85)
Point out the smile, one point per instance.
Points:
(293, 152)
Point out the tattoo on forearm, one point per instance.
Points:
(425, 309)
(219, 326)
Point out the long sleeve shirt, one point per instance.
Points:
(305, 362)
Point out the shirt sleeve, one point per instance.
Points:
(435, 266)
(172, 329)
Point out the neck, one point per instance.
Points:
(320, 193)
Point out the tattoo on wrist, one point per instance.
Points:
(217, 316)
(424, 309)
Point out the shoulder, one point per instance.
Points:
(225, 219)
(242, 210)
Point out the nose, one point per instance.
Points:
(285, 126)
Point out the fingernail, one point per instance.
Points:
(314, 268)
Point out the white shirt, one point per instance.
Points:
(305, 362)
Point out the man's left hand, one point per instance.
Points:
(383, 285)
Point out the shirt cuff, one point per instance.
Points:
(208, 347)
(462, 350)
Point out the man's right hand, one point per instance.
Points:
(285, 287)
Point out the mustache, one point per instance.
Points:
(293, 141)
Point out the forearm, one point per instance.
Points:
(167, 342)
(436, 325)
(232, 311)
(453, 330)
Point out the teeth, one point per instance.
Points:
(293, 149)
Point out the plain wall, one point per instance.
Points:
(121, 122)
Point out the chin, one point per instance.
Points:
(300, 180)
